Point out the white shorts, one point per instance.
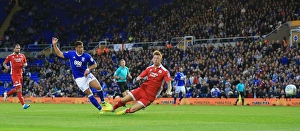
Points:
(84, 82)
(180, 89)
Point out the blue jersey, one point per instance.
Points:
(79, 63)
(241, 87)
(180, 78)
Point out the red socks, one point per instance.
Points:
(119, 104)
(128, 110)
(21, 99)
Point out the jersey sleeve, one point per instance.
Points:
(167, 76)
(7, 59)
(67, 54)
(91, 59)
(144, 73)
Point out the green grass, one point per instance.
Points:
(84, 117)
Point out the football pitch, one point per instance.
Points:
(84, 117)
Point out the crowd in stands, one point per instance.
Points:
(6, 6)
(121, 21)
(265, 68)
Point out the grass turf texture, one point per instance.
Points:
(81, 117)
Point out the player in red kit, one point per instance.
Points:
(17, 62)
(157, 75)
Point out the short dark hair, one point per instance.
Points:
(77, 43)
(17, 44)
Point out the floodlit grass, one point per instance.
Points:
(84, 117)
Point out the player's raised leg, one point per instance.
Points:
(12, 91)
(96, 85)
(120, 103)
(93, 100)
(83, 84)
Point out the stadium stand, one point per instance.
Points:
(143, 20)
(266, 66)
(5, 6)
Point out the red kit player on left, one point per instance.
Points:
(17, 62)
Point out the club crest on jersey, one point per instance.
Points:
(82, 59)
(159, 71)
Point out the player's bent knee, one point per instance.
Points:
(126, 99)
(95, 84)
(88, 91)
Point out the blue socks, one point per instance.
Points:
(174, 100)
(100, 94)
(181, 96)
(94, 101)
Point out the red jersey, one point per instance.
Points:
(16, 63)
(156, 78)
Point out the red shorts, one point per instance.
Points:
(141, 96)
(17, 80)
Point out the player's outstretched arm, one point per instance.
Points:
(56, 49)
(169, 87)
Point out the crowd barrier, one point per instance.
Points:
(165, 101)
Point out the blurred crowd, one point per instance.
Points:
(121, 21)
(212, 71)
(6, 6)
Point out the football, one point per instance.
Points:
(290, 89)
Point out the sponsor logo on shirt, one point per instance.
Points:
(77, 63)
(18, 59)
(152, 74)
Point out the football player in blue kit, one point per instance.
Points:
(180, 90)
(79, 61)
